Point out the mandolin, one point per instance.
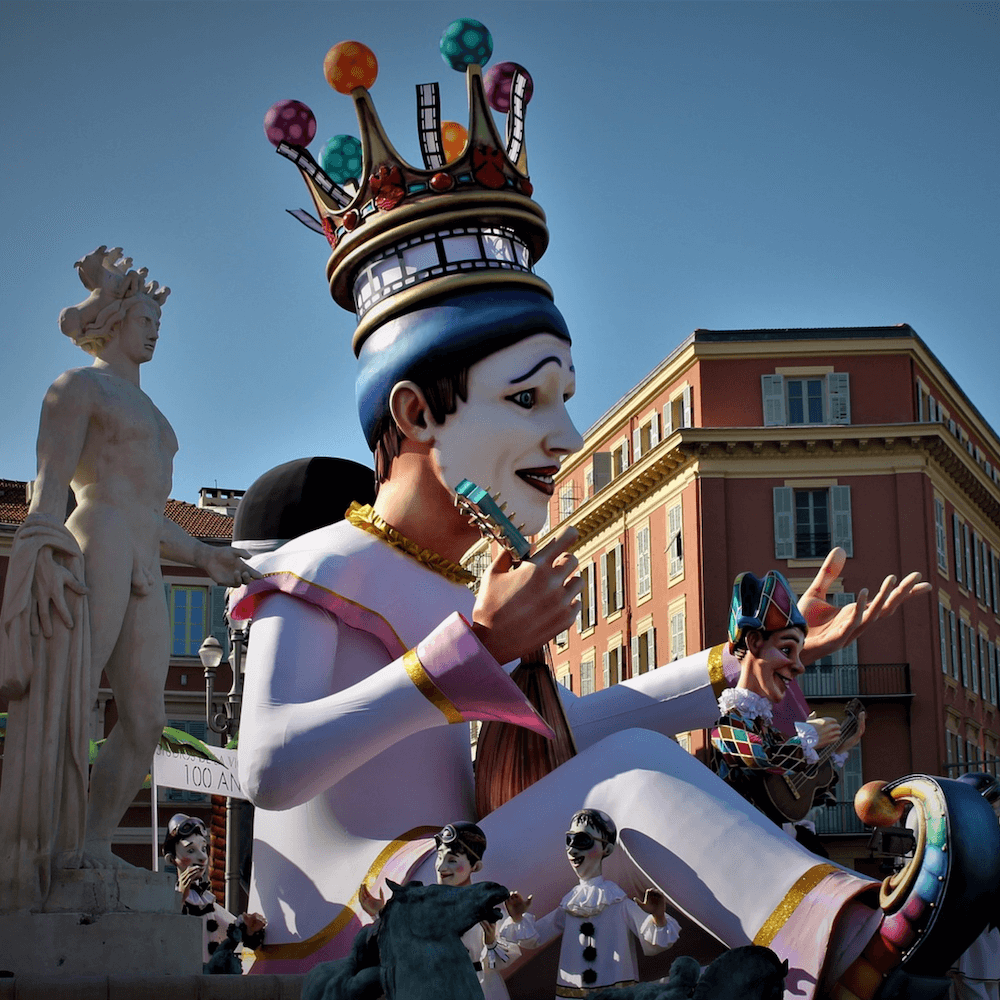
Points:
(791, 795)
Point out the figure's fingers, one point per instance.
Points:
(833, 566)
(44, 618)
(565, 540)
(567, 562)
(503, 562)
(909, 586)
(62, 608)
(878, 606)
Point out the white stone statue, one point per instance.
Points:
(87, 596)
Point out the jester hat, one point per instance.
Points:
(766, 605)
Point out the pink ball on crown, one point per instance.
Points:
(290, 121)
(497, 83)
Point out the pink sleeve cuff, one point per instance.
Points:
(471, 681)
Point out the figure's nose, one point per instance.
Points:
(564, 438)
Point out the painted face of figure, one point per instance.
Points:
(774, 662)
(514, 430)
(191, 851)
(585, 850)
(139, 331)
(454, 867)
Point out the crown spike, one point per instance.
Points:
(482, 128)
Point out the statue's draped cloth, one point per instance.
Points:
(43, 798)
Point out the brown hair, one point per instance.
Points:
(442, 394)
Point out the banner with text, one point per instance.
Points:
(195, 774)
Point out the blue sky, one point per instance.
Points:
(702, 164)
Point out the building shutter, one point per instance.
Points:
(651, 649)
(606, 667)
(635, 657)
(977, 573)
(592, 587)
(995, 564)
(668, 419)
(957, 531)
(963, 642)
(968, 557)
(973, 660)
(602, 470)
(944, 638)
(784, 523)
(941, 535)
(619, 577)
(688, 398)
(920, 404)
(838, 394)
(773, 393)
(984, 559)
(842, 534)
(625, 460)
(642, 573)
(953, 632)
(994, 671)
(636, 444)
(654, 429)
(605, 594)
(217, 624)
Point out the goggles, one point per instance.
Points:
(181, 826)
(581, 840)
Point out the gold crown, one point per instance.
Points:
(407, 234)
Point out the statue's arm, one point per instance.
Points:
(222, 563)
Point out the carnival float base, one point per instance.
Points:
(103, 922)
(133, 987)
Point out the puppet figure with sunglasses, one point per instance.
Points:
(187, 847)
(599, 923)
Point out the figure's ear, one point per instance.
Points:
(477, 867)
(409, 409)
(754, 641)
(608, 848)
(392, 885)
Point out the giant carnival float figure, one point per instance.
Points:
(370, 655)
(86, 596)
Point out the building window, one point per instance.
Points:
(567, 500)
(644, 652)
(941, 534)
(675, 539)
(993, 658)
(943, 629)
(646, 436)
(564, 677)
(977, 568)
(953, 632)
(956, 525)
(587, 677)
(973, 660)
(678, 636)
(984, 667)
(963, 641)
(562, 639)
(188, 619)
(808, 523)
(612, 581)
(588, 483)
(612, 663)
(967, 548)
(995, 564)
(819, 399)
(984, 558)
(587, 616)
(619, 458)
(643, 575)
(679, 412)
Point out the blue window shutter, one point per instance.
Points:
(838, 394)
(957, 531)
(773, 393)
(944, 639)
(953, 631)
(784, 525)
(842, 534)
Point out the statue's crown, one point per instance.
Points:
(401, 234)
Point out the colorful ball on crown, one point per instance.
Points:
(464, 42)
(342, 158)
(349, 65)
(290, 121)
(497, 83)
(453, 139)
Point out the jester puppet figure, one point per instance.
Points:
(369, 654)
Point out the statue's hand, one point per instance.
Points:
(517, 906)
(833, 628)
(655, 904)
(48, 590)
(520, 608)
(369, 903)
(188, 876)
(226, 566)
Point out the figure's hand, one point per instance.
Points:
(517, 906)
(369, 903)
(520, 608)
(253, 922)
(489, 932)
(226, 566)
(48, 590)
(828, 730)
(833, 628)
(187, 877)
(655, 904)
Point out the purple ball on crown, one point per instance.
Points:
(289, 121)
(498, 81)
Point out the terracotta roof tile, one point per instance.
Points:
(196, 521)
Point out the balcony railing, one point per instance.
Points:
(856, 680)
(837, 818)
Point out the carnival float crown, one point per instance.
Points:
(402, 235)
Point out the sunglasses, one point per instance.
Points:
(581, 840)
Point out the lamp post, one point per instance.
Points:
(227, 724)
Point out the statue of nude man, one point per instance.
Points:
(102, 435)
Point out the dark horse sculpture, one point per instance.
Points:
(414, 950)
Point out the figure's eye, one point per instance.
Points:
(524, 398)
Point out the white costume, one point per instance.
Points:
(488, 960)
(977, 974)
(357, 665)
(599, 925)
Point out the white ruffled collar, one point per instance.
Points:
(748, 703)
(590, 896)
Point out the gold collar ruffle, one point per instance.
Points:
(366, 519)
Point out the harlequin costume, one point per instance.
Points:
(362, 668)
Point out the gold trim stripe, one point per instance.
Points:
(803, 886)
(423, 683)
(303, 949)
(716, 675)
(587, 991)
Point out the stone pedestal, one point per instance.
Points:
(103, 922)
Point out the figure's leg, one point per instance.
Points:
(137, 670)
(719, 859)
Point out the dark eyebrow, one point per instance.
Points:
(541, 364)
